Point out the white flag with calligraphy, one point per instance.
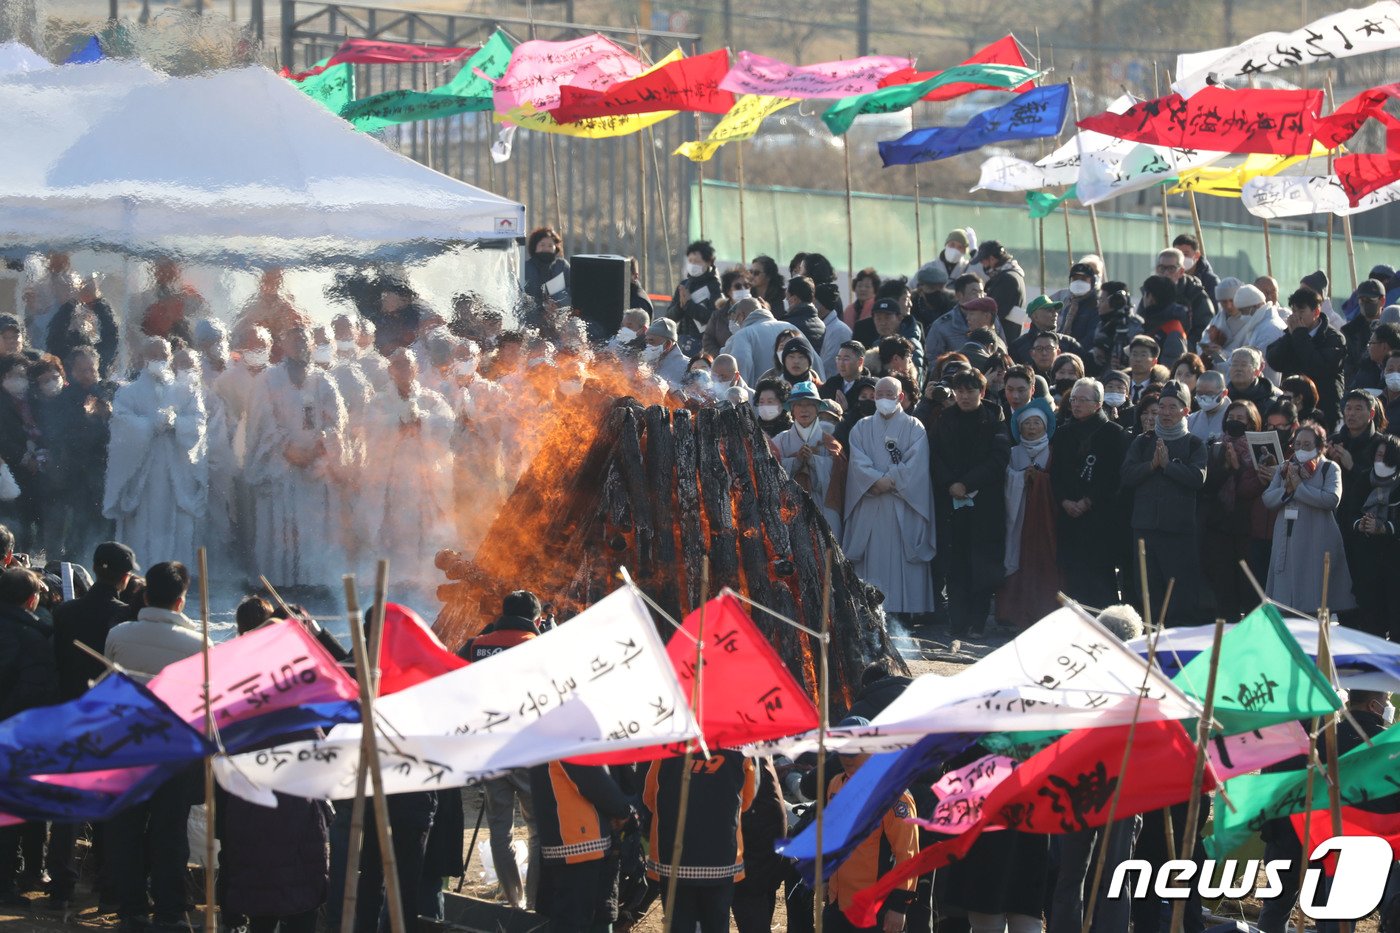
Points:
(1065, 672)
(1108, 174)
(1374, 28)
(1273, 196)
(600, 682)
(1059, 168)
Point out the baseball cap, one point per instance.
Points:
(887, 306)
(114, 557)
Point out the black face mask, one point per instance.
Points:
(1063, 386)
(865, 407)
(1235, 428)
(1285, 436)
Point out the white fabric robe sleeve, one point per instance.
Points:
(133, 429)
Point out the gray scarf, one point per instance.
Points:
(1175, 434)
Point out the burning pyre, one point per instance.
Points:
(657, 491)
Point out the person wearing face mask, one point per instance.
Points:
(888, 528)
(695, 297)
(1166, 468)
(156, 468)
(862, 405)
(970, 453)
(1211, 403)
(1066, 371)
(1079, 316)
(956, 256)
(631, 336)
(1353, 450)
(1086, 457)
(1117, 326)
(1234, 522)
(1006, 282)
(1374, 559)
(1032, 571)
(547, 279)
(79, 451)
(800, 312)
(807, 449)
(734, 287)
(1390, 395)
(663, 352)
(1115, 398)
(1369, 295)
(933, 297)
(753, 332)
(23, 448)
(406, 502)
(296, 455)
(1304, 496)
(1384, 339)
(1194, 262)
(769, 404)
(1313, 348)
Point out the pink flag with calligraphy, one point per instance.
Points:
(273, 668)
(960, 794)
(746, 692)
(758, 74)
(376, 52)
(538, 69)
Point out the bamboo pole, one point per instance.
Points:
(211, 913)
(1351, 249)
(918, 221)
(1196, 221)
(700, 189)
(1331, 218)
(367, 675)
(1040, 228)
(683, 804)
(1268, 251)
(644, 252)
(850, 226)
(350, 897)
(1069, 244)
(1193, 805)
(1329, 732)
(1166, 220)
(819, 889)
(743, 244)
(1093, 212)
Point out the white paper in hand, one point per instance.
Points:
(701, 295)
(555, 285)
(1016, 316)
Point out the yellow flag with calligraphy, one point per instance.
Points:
(741, 122)
(1229, 182)
(591, 127)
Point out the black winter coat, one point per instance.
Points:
(28, 676)
(1007, 287)
(1165, 500)
(63, 340)
(972, 448)
(691, 319)
(807, 319)
(1085, 460)
(1319, 357)
(86, 619)
(273, 862)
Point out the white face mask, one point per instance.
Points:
(571, 386)
(256, 358)
(322, 355)
(160, 371)
(828, 427)
(50, 387)
(952, 254)
(346, 347)
(769, 412)
(1304, 456)
(1208, 402)
(17, 386)
(653, 353)
(1114, 399)
(1079, 288)
(626, 335)
(1384, 470)
(1392, 381)
(1188, 263)
(739, 294)
(735, 325)
(694, 269)
(887, 406)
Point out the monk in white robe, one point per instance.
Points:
(406, 492)
(234, 389)
(156, 469)
(806, 449)
(889, 523)
(296, 457)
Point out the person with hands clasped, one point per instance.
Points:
(1377, 550)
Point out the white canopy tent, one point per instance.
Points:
(232, 166)
(18, 58)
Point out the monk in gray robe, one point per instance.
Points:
(888, 530)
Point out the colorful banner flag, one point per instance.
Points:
(1220, 120)
(89, 52)
(538, 69)
(840, 115)
(601, 682)
(1043, 203)
(746, 694)
(332, 86)
(1103, 176)
(1364, 173)
(470, 90)
(742, 122)
(1230, 182)
(411, 653)
(1249, 751)
(1066, 788)
(1316, 826)
(592, 127)
(375, 52)
(1004, 51)
(1060, 167)
(1032, 115)
(1064, 672)
(1365, 773)
(1375, 28)
(757, 74)
(1263, 676)
(690, 84)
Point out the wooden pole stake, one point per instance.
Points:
(850, 225)
(211, 911)
(1093, 212)
(918, 221)
(700, 189)
(1351, 249)
(1268, 251)
(683, 804)
(819, 891)
(743, 244)
(1069, 244)
(1196, 221)
(1193, 805)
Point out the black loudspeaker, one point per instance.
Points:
(599, 287)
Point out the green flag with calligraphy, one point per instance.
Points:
(1264, 677)
(1043, 203)
(1365, 774)
(469, 91)
(840, 115)
(334, 87)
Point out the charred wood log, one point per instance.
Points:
(719, 506)
(688, 500)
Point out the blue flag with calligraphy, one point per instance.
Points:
(1036, 113)
(856, 811)
(91, 51)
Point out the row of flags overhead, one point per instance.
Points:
(591, 87)
(603, 688)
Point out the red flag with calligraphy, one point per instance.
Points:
(1364, 172)
(1219, 120)
(1344, 122)
(746, 692)
(1066, 788)
(1354, 823)
(1004, 51)
(411, 653)
(689, 84)
(375, 52)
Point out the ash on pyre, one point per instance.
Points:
(656, 491)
